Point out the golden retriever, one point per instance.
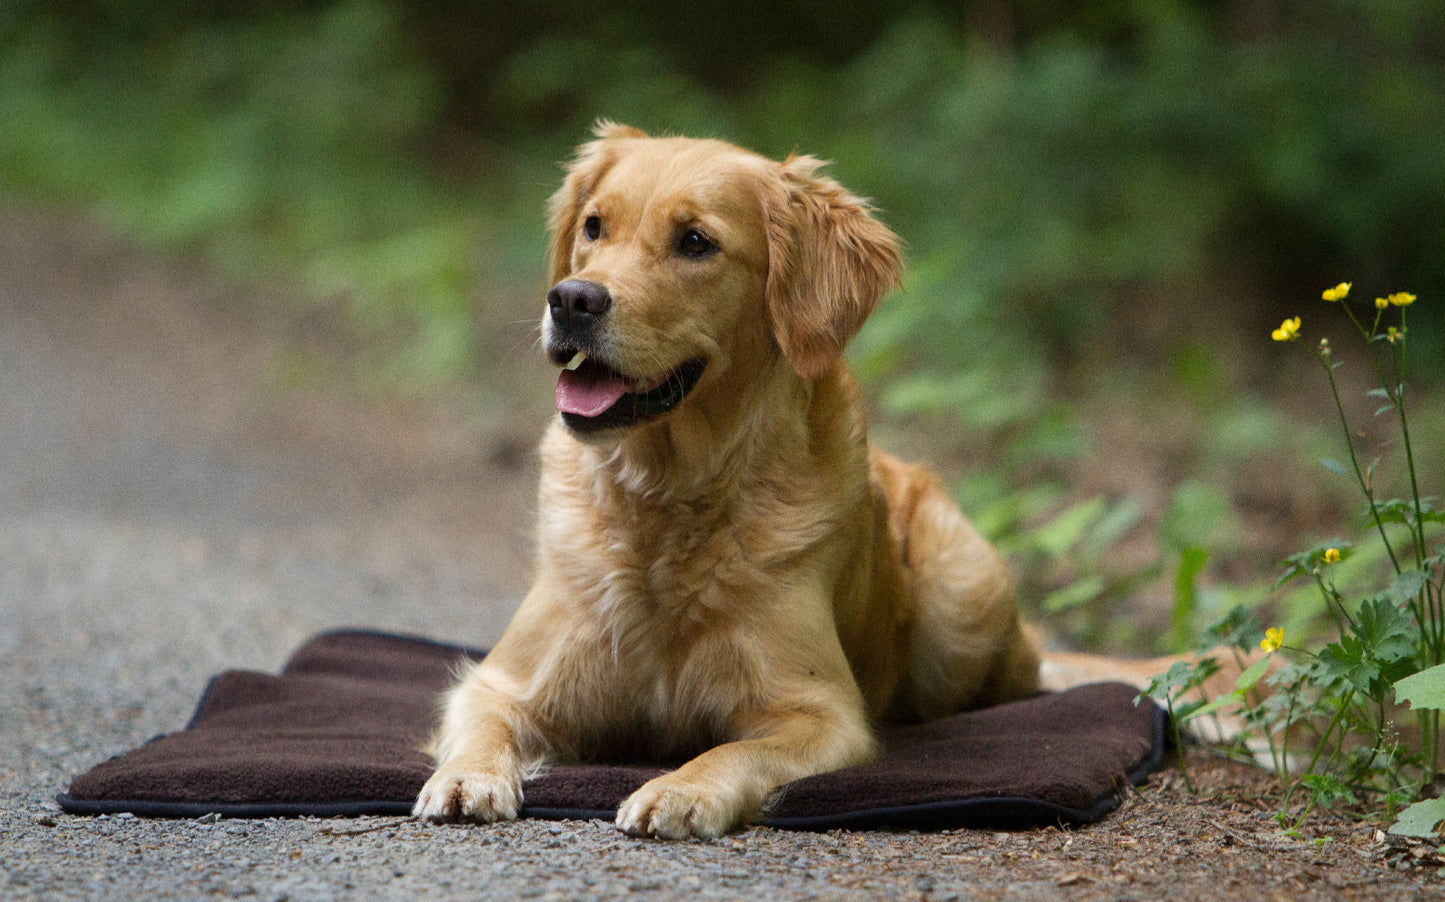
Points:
(728, 574)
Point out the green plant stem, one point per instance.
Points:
(1252, 701)
(1398, 397)
(1435, 602)
(1283, 769)
(1293, 829)
(1430, 752)
(1178, 742)
(1369, 336)
(1355, 463)
(1352, 723)
(1333, 604)
(1378, 728)
(1320, 747)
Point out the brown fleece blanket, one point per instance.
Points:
(337, 733)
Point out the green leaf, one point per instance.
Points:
(1406, 587)
(1208, 708)
(1328, 789)
(1346, 661)
(1384, 630)
(1183, 709)
(1239, 628)
(1067, 529)
(1074, 594)
(1186, 597)
(1120, 518)
(1425, 689)
(1196, 515)
(1182, 676)
(1303, 562)
(1334, 466)
(1420, 819)
(1429, 513)
(1252, 674)
(1291, 571)
(1400, 510)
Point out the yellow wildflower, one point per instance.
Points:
(1381, 303)
(1273, 639)
(1337, 293)
(1332, 555)
(1287, 331)
(1401, 299)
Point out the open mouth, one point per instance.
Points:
(592, 396)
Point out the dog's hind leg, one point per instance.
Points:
(968, 647)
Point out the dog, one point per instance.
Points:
(729, 577)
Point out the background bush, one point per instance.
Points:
(1105, 204)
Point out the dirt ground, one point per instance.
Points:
(149, 446)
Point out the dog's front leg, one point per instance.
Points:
(725, 787)
(480, 762)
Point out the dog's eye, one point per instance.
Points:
(592, 228)
(695, 244)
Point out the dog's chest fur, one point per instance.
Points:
(679, 568)
(661, 610)
(672, 602)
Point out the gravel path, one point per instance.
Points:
(164, 516)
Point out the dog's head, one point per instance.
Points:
(683, 267)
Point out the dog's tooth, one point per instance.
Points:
(576, 360)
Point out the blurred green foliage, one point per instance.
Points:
(1099, 198)
(288, 145)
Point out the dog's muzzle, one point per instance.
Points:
(592, 395)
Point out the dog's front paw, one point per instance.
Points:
(672, 808)
(453, 794)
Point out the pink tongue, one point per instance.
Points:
(588, 390)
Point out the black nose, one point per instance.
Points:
(575, 303)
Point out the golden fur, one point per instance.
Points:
(741, 583)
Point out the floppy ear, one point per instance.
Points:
(589, 164)
(829, 263)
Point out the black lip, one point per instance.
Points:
(635, 407)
